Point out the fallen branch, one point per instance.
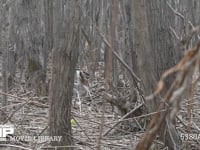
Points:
(122, 118)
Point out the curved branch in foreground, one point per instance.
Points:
(172, 99)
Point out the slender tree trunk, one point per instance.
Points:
(4, 49)
(142, 46)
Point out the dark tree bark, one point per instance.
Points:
(66, 44)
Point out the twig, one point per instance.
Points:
(136, 79)
(82, 129)
(26, 100)
(181, 121)
(196, 126)
(106, 125)
(141, 116)
(8, 118)
(174, 32)
(118, 57)
(120, 120)
(80, 142)
(176, 12)
(15, 146)
(43, 130)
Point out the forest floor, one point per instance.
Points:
(28, 112)
(29, 115)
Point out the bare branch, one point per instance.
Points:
(184, 69)
(176, 12)
(174, 32)
(122, 118)
(135, 77)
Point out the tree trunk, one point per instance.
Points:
(155, 53)
(66, 43)
(4, 27)
(142, 46)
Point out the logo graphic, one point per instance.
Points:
(6, 130)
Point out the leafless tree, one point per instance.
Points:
(66, 31)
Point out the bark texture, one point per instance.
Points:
(66, 44)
